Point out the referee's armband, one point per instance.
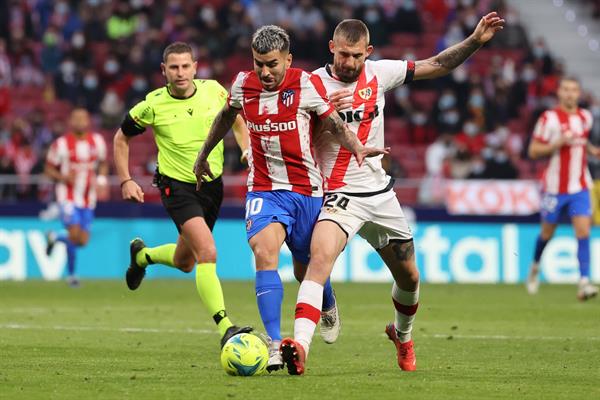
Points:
(130, 128)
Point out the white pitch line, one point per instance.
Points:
(104, 329)
(506, 337)
(209, 332)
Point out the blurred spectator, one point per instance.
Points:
(437, 158)
(268, 12)
(407, 17)
(5, 79)
(112, 109)
(123, 23)
(307, 25)
(102, 54)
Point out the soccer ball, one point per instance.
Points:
(244, 355)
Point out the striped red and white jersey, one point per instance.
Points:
(281, 123)
(567, 170)
(78, 157)
(365, 118)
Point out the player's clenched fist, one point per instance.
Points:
(131, 191)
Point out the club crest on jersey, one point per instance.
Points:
(365, 93)
(287, 97)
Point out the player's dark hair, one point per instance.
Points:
(352, 30)
(177, 48)
(269, 38)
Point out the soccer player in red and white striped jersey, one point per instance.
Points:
(285, 187)
(77, 162)
(359, 198)
(562, 135)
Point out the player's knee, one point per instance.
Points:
(412, 274)
(207, 254)
(184, 264)
(265, 257)
(321, 260)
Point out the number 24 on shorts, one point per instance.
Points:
(334, 200)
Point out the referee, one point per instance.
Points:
(181, 114)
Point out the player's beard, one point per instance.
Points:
(347, 75)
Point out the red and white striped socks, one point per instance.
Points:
(406, 304)
(308, 312)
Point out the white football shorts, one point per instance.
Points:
(378, 218)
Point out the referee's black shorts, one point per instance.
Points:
(183, 202)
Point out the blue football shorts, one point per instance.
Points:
(296, 212)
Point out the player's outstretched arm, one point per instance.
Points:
(130, 190)
(443, 63)
(348, 139)
(242, 137)
(221, 125)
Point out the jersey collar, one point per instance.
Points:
(183, 98)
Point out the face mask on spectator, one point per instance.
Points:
(476, 101)
(471, 20)
(460, 74)
(111, 67)
(90, 82)
(372, 16)
(419, 118)
(450, 117)
(477, 166)
(471, 129)
(447, 101)
(487, 153)
(139, 84)
(78, 40)
(538, 51)
(401, 93)
(408, 5)
(528, 74)
(501, 157)
(61, 8)
(68, 67)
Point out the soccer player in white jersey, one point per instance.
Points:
(77, 162)
(360, 199)
(285, 187)
(562, 135)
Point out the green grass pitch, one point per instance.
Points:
(472, 342)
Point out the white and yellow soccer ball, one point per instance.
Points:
(244, 354)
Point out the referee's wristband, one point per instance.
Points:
(125, 181)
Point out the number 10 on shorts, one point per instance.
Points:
(253, 206)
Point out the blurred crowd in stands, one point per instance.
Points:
(105, 56)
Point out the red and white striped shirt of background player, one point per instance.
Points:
(365, 118)
(281, 129)
(567, 170)
(81, 157)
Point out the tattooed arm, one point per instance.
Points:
(443, 63)
(221, 125)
